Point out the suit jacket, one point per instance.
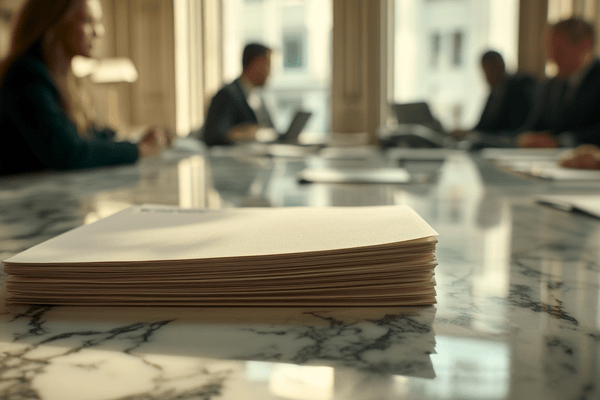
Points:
(576, 121)
(510, 109)
(36, 133)
(228, 108)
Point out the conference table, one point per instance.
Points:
(518, 287)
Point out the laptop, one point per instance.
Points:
(417, 114)
(296, 126)
(418, 127)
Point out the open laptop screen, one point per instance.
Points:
(295, 128)
(413, 113)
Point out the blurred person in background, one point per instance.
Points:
(45, 120)
(568, 113)
(510, 100)
(237, 113)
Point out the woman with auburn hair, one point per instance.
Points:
(44, 121)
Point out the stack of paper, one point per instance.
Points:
(163, 256)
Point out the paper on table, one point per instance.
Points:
(358, 175)
(538, 163)
(505, 156)
(146, 233)
(589, 204)
(553, 171)
(570, 174)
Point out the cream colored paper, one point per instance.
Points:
(147, 233)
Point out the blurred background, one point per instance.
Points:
(344, 60)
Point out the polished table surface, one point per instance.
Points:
(518, 283)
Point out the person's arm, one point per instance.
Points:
(521, 101)
(583, 157)
(242, 133)
(220, 127)
(572, 138)
(535, 140)
(581, 136)
(482, 125)
(534, 121)
(104, 133)
(219, 120)
(53, 137)
(151, 143)
(534, 133)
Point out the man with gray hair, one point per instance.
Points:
(568, 113)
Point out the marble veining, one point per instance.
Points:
(390, 345)
(521, 296)
(518, 290)
(354, 345)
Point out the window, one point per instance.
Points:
(299, 33)
(437, 46)
(293, 50)
(457, 48)
(561, 9)
(436, 40)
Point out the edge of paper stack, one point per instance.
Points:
(300, 256)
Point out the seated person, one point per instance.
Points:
(236, 112)
(586, 156)
(45, 124)
(510, 100)
(568, 113)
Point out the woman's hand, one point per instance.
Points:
(586, 156)
(153, 142)
(534, 140)
(460, 134)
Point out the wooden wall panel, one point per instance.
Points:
(533, 19)
(142, 30)
(354, 48)
(212, 47)
(152, 49)
(356, 79)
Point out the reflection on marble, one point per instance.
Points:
(518, 291)
(50, 351)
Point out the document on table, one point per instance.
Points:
(160, 255)
(588, 204)
(538, 163)
(354, 175)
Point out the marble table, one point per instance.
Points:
(518, 312)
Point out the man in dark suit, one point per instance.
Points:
(509, 103)
(237, 112)
(568, 113)
(511, 97)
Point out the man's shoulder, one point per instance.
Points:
(232, 88)
(594, 69)
(231, 92)
(521, 78)
(519, 83)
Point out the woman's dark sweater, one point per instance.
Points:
(36, 132)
